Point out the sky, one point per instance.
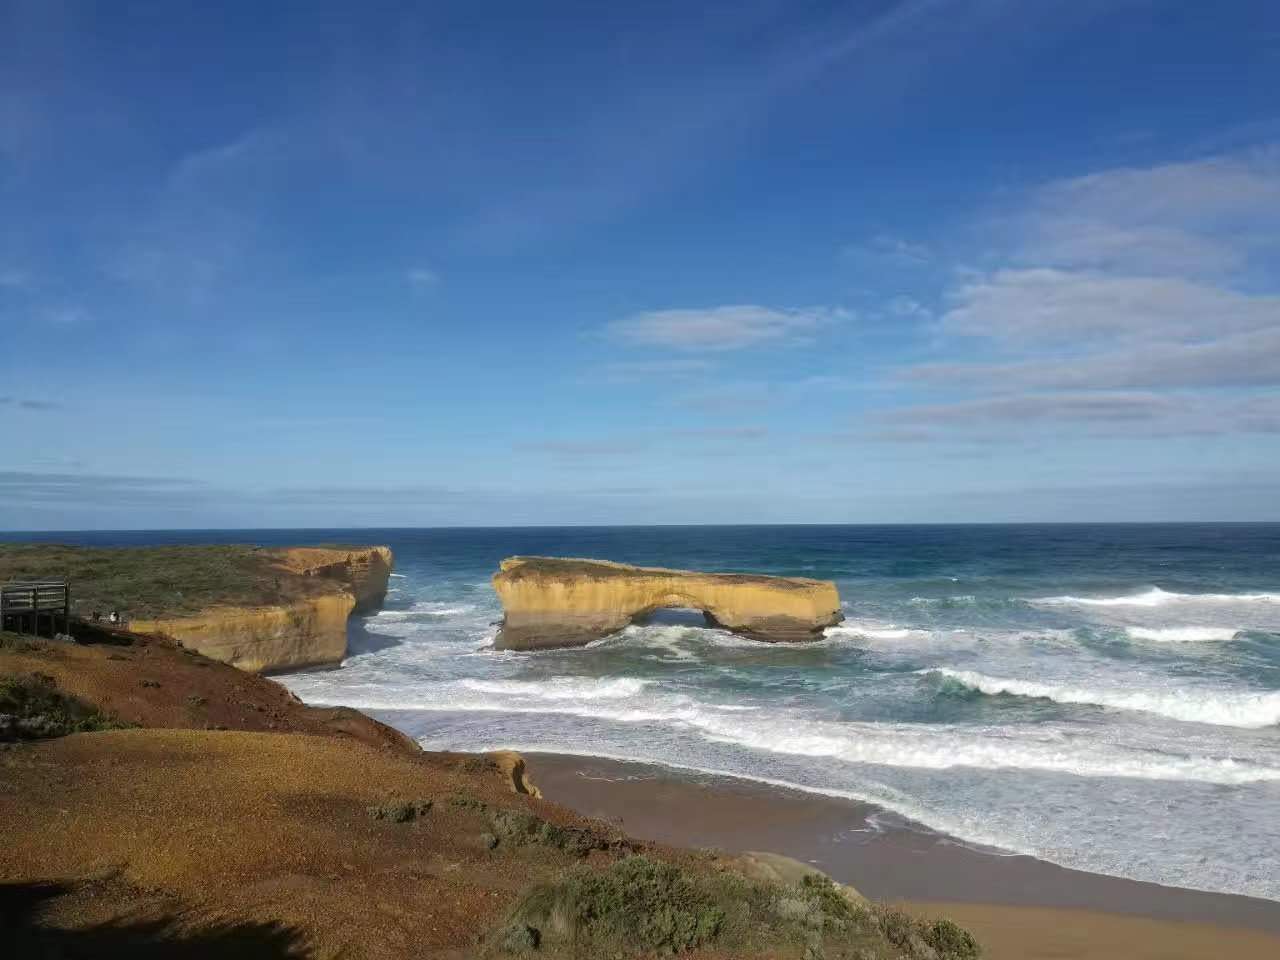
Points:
(486, 263)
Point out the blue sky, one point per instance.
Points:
(324, 264)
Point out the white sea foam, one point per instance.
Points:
(1155, 597)
(1189, 704)
(628, 700)
(871, 633)
(1181, 634)
(426, 608)
(562, 688)
(399, 576)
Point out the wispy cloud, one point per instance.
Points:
(1192, 218)
(583, 448)
(65, 316)
(26, 404)
(1137, 279)
(732, 327)
(1020, 306)
(85, 489)
(1242, 360)
(1045, 406)
(422, 278)
(725, 433)
(885, 247)
(631, 371)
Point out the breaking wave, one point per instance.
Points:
(426, 609)
(1155, 597)
(871, 633)
(1221, 708)
(1181, 634)
(562, 688)
(922, 746)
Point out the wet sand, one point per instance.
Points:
(1020, 907)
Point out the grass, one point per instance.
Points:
(642, 906)
(150, 582)
(32, 707)
(20, 643)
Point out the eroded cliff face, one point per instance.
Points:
(555, 602)
(307, 631)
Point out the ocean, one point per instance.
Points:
(1106, 697)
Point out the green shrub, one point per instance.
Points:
(398, 812)
(520, 826)
(32, 707)
(952, 942)
(638, 905)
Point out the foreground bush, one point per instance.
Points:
(32, 707)
(641, 906)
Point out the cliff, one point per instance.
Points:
(301, 631)
(255, 608)
(555, 602)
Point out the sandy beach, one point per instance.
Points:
(1019, 907)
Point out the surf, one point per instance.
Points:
(1187, 704)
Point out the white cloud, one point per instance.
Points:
(583, 448)
(65, 316)
(1126, 297)
(909, 308)
(885, 247)
(1069, 306)
(639, 371)
(721, 328)
(1077, 407)
(1187, 219)
(422, 278)
(1240, 360)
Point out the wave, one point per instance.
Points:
(871, 633)
(627, 700)
(426, 608)
(1222, 708)
(1181, 634)
(1155, 597)
(399, 576)
(562, 688)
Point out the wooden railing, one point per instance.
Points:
(23, 603)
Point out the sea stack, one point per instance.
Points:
(563, 602)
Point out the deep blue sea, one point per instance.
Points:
(1106, 697)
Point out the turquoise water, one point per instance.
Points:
(1105, 697)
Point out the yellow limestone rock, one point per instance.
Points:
(308, 631)
(559, 602)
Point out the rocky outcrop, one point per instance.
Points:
(302, 632)
(556, 602)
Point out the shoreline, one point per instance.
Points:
(1010, 897)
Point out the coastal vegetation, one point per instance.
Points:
(149, 582)
(641, 905)
(255, 608)
(32, 706)
(227, 804)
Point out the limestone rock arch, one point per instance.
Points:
(566, 602)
